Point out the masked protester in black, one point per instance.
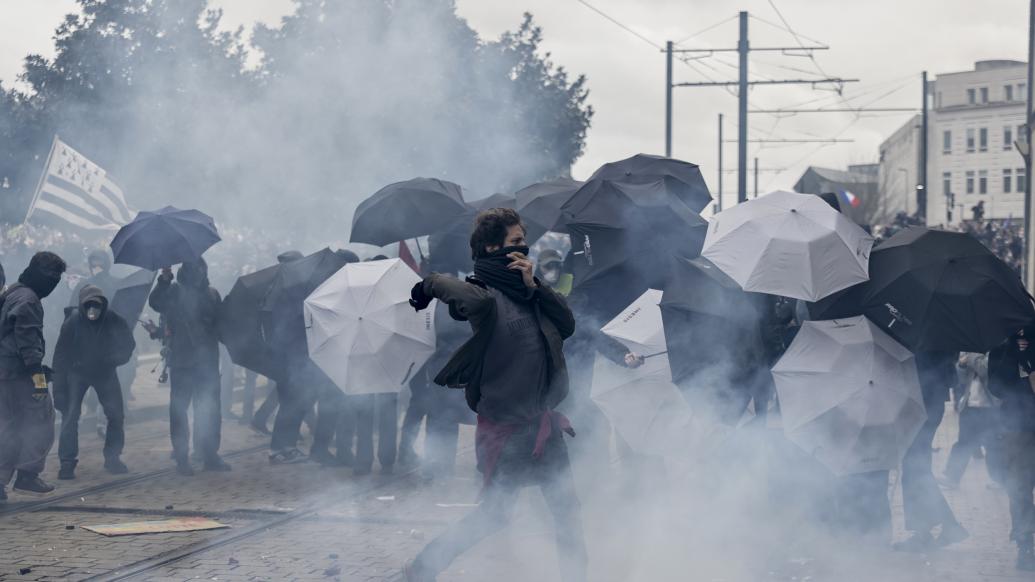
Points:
(514, 375)
(190, 308)
(1009, 378)
(26, 407)
(94, 341)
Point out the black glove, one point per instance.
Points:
(419, 300)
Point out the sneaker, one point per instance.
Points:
(1026, 559)
(952, 533)
(918, 542)
(115, 466)
(30, 483)
(288, 457)
(183, 468)
(216, 464)
(67, 472)
(322, 456)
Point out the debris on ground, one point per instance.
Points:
(332, 571)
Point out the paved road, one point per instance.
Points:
(308, 523)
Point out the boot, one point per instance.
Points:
(1025, 557)
(215, 463)
(183, 467)
(67, 471)
(115, 466)
(31, 483)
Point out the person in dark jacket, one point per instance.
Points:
(94, 342)
(190, 308)
(1009, 378)
(26, 407)
(514, 375)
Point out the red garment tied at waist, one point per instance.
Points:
(490, 438)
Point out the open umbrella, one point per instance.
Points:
(494, 201)
(405, 210)
(642, 403)
(164, 237)
(788, 244)
(283, 305)
(934, 290)
(540, 204)
(240, 323)
(680, 178)
(630, 230)
(131, 295)
(361, 330)
(849, 395)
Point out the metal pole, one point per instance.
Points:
(756, 178)
(921, 187)
(718, 198)
(742, 108)
(1029, 263)
(668, 99)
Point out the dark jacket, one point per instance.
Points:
(191, 313)
(1006, 383)
(473, 301)
(89, 347)
(21, 333)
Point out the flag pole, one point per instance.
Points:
(43, 176)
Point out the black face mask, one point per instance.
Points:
(492, 270)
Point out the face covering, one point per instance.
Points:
(96, 269)
(551, 273)
(493, 271)
(41, 283)
(93, 313)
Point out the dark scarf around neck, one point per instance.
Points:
(492, 270)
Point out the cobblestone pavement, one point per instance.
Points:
(308, 523)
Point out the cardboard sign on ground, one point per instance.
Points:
(159, 526)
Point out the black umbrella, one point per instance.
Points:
(406, 210)
(240, 323)
(283, 305)
(934, 290)
(494, 201)
(165, 237)
(680, 178)
(131, 295)
(631, 229)
(540, 204)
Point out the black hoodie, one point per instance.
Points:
(190, 307)
(92, 347)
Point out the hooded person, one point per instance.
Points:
(550, 270)
(26, 406)
(94, 342)
(513, 374)
(190, 308)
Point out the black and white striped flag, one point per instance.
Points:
(78, 192)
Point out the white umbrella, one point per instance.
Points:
(849, 395)
(642, 403)
(789, 244)
(361, 330)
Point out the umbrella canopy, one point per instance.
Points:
(642, 403)
(406, 210)
(282, 306)
(240, 323)
(936, 291)
(677, 177)
(788, 244)
(361, 330)
(629, 230)
(849, 395)
(540, 204)
(131, 295)
(494, 201)
(164, 237)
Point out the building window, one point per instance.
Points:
(1021, 179)
(1007, 138)
(970, 140)
(946, 183)
(1008, 93)
(970, 96)
(946, 142)
(983, 139)
(1007, 179)
(982, 181)
(970, 182)
(984, 94)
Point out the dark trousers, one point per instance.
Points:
(922, 500)
(296, 400)
(26, 428)
(1019, 459)
(977, 429)
(248, 402)
(330, 405)
(362, 413)
(70, 403)
(516, 469)
(198, 386)
(268, 406)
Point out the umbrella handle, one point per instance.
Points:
(408, 372)
(652, 355)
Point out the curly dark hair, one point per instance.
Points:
(490, 229)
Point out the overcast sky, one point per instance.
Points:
(884, 43)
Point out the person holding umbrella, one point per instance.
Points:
(190, 307)
(514, 375)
